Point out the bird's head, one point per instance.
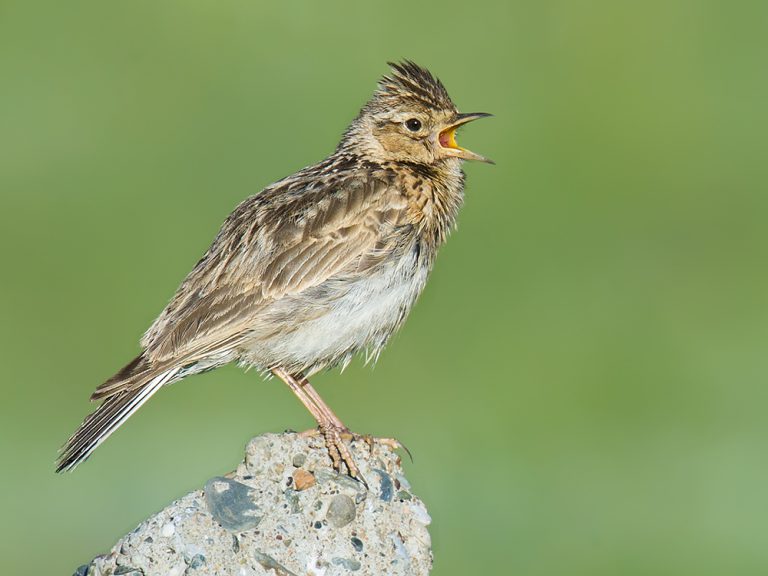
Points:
(410, 118)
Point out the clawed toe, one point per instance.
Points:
(336, 440)
(394, 444)
(339, 451)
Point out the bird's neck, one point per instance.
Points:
(434, 191)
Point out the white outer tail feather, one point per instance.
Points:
(146, 392)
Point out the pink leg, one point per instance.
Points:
(330, 425)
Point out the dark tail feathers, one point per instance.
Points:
(124, 393)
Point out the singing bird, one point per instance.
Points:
(313, 269)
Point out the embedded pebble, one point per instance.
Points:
(327, 475)
(386, 485)
(348, 563)
(293, 500)
(420, 514)
(230, 503)
(341, 510)
(196, 561)
(303, 479)
(270, 563)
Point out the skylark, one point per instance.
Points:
(313, 269)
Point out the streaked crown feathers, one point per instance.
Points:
(410, 82)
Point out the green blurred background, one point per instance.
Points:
(583, 383)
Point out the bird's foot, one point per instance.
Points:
(336, 439)
(392, 443)
(341, 457)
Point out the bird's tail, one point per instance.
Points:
(125, 393)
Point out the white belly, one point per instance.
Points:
(362, 315)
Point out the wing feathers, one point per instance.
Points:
(269, 251)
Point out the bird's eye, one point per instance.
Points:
(414, 124)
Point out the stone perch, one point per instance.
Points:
(284, 512)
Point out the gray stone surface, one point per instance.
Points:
(284, 512)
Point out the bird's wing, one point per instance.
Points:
(273, 245)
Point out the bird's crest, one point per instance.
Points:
(409, 81)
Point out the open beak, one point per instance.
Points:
(447, 138)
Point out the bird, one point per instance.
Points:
(315, 268)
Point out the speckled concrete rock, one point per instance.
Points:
(284, 512)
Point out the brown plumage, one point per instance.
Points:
(315, 268)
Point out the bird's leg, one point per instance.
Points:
(330, 425)
(312, 393)
(393, 443)
(298, 390)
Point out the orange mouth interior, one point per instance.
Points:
(448, 138)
